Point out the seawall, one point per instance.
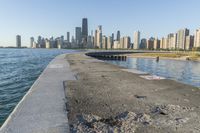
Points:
(43, 108)
(110, 98)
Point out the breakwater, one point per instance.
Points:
(19, 68)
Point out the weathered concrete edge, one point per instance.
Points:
(12, 114)
(29, 93)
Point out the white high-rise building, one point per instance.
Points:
(116, 45)
(172, 41)
(109, 42)
(136, 42)
(104, 42)
(127, 42)
(99, 37)
(197, 38)
(181, 38)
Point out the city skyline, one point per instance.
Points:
(180, 40)
(155, 18)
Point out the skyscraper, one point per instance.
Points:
(136, 37)
(118, 35)
(156, 44)
(150, 43)
(95, 39)
(197, 38)
(18, 41)
(172, 39)
(116, 45)
(89, 42)
(31, 42)
(68, 37)
(181, 38)
(84, 28)
(121, 42)
(109, 42)
(99, 36)
(78, 36)
(39, 42)
(104, 42)
(127, 42)
(113, 39)
(189, 42)
(164, 43)
(143, 44)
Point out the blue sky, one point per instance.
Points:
(55, 17)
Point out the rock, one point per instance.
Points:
(140, 97)
(181, 120)
(143, 118)
(125, 122)
(89, 118)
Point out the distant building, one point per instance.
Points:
(18, 41)
(99, 37)
(68, 37)
(118, 36)
(150, 43)
(95, 39)
(78, 36)
(84, 31)
(121, 42)
(60, 42)
(189, 42)
(92, 38)
(197, 38)
(113, 39)
(31, 42)
(104, 42)
(143, 44)
(181, 38)
(109, 42)
(39, 42)
(90, 42)
(136, 44)
(163, 43)
(34, 44)
(48, 44)
(156, 44)
(116, 45)
(172, 41)
(42, 45)
(127, 42)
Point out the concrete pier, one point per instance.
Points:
(107, 97)
(42, 109)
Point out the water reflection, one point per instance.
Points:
(184, 71)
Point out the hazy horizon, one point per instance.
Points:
(54, 18)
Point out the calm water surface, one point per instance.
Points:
(19, 68)
(184, 71)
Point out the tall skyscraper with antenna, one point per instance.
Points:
(118, 35)
(84, 31)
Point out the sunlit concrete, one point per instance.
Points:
(42, 110)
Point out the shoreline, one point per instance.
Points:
(103, 92)
(142, 55)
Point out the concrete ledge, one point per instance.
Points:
(42, 109)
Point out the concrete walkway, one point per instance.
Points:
(42, 110)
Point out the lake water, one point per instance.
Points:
(19, 68)
(183, 71)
